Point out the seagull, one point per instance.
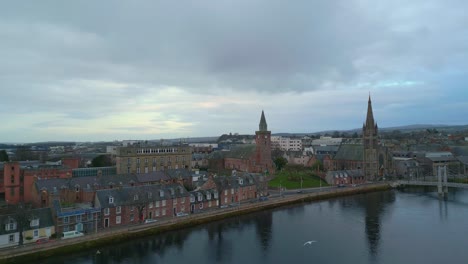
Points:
(309, 242)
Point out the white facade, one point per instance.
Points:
(286, 143)
(9, 240)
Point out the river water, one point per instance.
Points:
(410, 226)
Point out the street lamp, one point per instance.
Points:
(280, 189)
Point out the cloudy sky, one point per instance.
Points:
(113, 70)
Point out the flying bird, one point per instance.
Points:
(309, 242)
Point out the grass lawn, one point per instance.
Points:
(291, 179)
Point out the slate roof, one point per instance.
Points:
(243, 151)
(350, 152)
(153, 177)
(44, 215)
(179, 174)
(146, 193)
(204, 194)
(87, 182)
(463, 159)
(228, 182)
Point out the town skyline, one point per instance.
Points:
(150, 70)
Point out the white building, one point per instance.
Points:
(286, 143)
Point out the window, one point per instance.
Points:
(132, 208)
(138, 170)
(209, 203)
(138, 160)
(225, 200)
(232, 191)
(36, 233)
(66, 220)
(163, 211)
(157, 212)
(200, 205)
(111, 199)
(175, 200)
(11, 225)
(106, 211)
(208, 196)
(151, 205)
(182, 200)
(78, 218)
(135, 197)
(118, 219)
(146, 169)
(34, 222)
(11, 238)
(225, 192)
(163, 202)
(157, 203)
(12, 178)
(118, 209)
(132, 217)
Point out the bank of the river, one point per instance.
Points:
(64, 247)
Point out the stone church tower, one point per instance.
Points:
(371, 147)
(263, 147)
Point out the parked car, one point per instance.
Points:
(180, 214)
(42, 240)
(223, 206)
(263, 198)
(148, 221)
(71, 234)
(341, 185)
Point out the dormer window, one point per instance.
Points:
(192, 198)
(208, 196)
(111, 199)
(150, 195)
(161, 193)
(216, 195)
(135, 197)
(11, 225)
(200, 197)
(172, 191)
(34, 222)
(241, 181)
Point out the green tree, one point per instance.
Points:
(280, 162)
(4, 156)
(101, 161)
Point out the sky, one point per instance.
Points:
(115, 70)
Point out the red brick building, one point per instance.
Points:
(247, 158)
(18, 180)
(132, 205)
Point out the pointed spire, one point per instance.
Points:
(263, 124)
(370, 115)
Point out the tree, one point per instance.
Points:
(101, 161)
(4, 156)
(280, 162)
(317, 166)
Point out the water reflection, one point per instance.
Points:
(373, 206)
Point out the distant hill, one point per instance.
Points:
(404, 129)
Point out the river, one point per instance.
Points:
(409, 226)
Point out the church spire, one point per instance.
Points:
(370, 116)
(263, 124)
